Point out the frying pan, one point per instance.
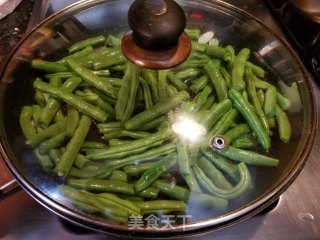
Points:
(50, 40)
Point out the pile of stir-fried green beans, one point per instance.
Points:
(128, 169)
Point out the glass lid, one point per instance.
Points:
(115, 147)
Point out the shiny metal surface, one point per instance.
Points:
(295, 217)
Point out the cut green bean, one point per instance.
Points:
(53, 105)
(93, 41)
(112, 186)
(156, 110)
(150, 175)
(26, 125)
(238, 69)
(72, 100)
(252, 119)
(68, 157)
(47, 133)
(248, 157)
(284, 125)
(212, 70)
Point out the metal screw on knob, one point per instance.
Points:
(218, 142)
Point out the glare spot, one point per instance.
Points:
(188, 128)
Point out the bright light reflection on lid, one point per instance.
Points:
(188, 128)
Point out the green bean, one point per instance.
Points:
(188, 73)
(136, 144)
(148, 207)
(109, 125)
(171, 91)
(126, 133)
(270, 101)
(176, 82)
(136, 169)
(80, 160)
(223, 124)
(88, 208)
(47, 133)
(97, 100)
(113, 41)
(283, 102)
(185, 166)
(251, 90)
(36, 114)
(233, 193)
(54, 155)
(26, 125)
(236, 132)
(93, 144)
(260, 84)
(248, 157)
(213, 173)
(202, 97)
(150, 76)
(184, 194)
(117, 142)
(53, 105)
(72, 121)
(79, 54)
(39, 97)
(109, 208)
(258, 71)
(92, 79)
(261, 97)
(238, 69)
(244, 142)
(102, 173)
(68, 157)
(198, 47)
(284, 125)
(124, 94)
(61, 75)
(134, 84)
(272, 122)
(122, 154)
(147, 155)
(112, 186)
(222, 163)
(53, 142)
(146, 94)
(199, 84)
(162, 83)
(156, 110)
(44, 160)
(72, 100)
(150, 175)
(102, 62)
(118, 175)
(87, 173)
(218, 52)
(215, 113)
(212, 70)
(252, 119)
(226, 76)
(85, 43)
(208, 104)
(193, 33)
(131, 207)
(47, 66)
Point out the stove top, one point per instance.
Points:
(295, 215)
